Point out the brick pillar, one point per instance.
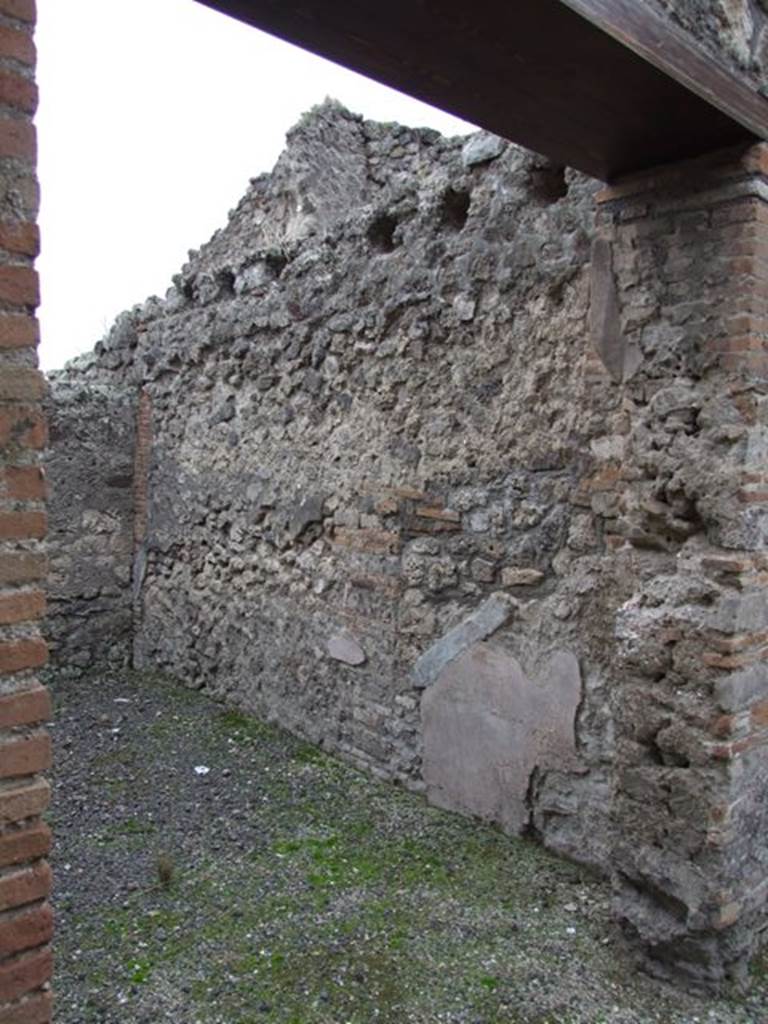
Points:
(680, 323)
(25, 916)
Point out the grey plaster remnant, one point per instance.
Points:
(481, 623)
(487, 726)
(344, 647)
(482, 148)
(620, 357)
(738, 690)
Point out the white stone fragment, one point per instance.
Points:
(344, 647)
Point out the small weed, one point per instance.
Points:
(140, 972)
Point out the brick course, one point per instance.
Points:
(25, 756)
(21, 606)
(23, 974)
(23, 483)
(19, 803)
(25, 959)
(24, 10)
(16, 655)
(27, 707)
(27, 844)
(25, 886)
(16, 45)
(25, 929)
(18, 331)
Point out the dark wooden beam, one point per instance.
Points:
(601, 85)
(668, 48)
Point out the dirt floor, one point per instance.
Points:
(213, 870)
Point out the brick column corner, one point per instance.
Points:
(25, 915)
(680, 323)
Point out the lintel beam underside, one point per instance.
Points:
(606, 86)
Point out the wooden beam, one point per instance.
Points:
(575, 84)
(670, 49)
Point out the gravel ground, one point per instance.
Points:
(213, 870)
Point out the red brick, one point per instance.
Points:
(25, 756)
(724, 726)
(21, 606)
(24, 974)
(24, 10)
(736, 344)
(22, 567)
(17, 45)
(25, 844)
(18, 139)
(752, 497)
(758, 714)
(737, 642)
(18, 92)
(20, 237)
(26, 707)
(25, 483)
(731, 661)
(25, 886)
(23, 425)
(18, 330)
(22, 525)
(19, 285)
(38, 1009)
(377, 542)
(25, 929)
(22, 802)
(752, 362)
(16, 655)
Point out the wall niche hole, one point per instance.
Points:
(454, 209)
(226, 282)
(276, 263)
(548, 184)
(381, 233)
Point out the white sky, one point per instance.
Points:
(153, 116)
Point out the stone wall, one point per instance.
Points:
(455, 470)
(370, 416)
(25, 878)
(89, 465)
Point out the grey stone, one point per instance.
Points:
(738, 690)
(481, 623)
(487, 726)
(307, 512)
(482, 148)
(620, 356)
(344, 647)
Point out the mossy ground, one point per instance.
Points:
(283, 886)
